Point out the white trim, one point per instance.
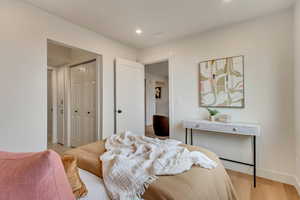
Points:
(120, 61)
(297, 180)
(67, 92)
(297, 184)
(54, 105)
(264, 173)
(67, 106)
(276, 176)
(99, 97)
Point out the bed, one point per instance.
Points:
(95, 186)
(195, 184)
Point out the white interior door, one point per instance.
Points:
(129, 97)
(76, 105)
(83, 104)
(89, 100)
(60, 105)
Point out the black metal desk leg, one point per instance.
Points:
(191, 136)
(186, 135)
(254, 160)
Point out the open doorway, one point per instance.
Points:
(157, 100)
(74, 96)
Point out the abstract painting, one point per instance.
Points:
(222, 83)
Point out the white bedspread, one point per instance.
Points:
(132, 163)
(95, 186)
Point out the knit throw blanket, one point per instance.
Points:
(132, 163)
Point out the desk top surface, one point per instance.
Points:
(222, 123)
(239, 128)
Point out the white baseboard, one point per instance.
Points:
(297, 185)
(276, 176)
(267, 174)
(297, 176)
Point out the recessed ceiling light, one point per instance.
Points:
(138, 31)
(227, 1)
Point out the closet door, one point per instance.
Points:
(83, 104)
(89, 99)
(76, 105)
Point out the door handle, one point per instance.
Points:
(119, 111)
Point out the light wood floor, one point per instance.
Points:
(265, 189)
(149, 131)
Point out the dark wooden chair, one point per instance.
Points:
(161, 125)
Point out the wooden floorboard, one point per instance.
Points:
(265, 189)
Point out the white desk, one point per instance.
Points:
(246, 129)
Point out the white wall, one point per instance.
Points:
(23, 72)
(297, 88)
(267, 44)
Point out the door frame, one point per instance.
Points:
(99, 95)
(171, 78)
(54, 103)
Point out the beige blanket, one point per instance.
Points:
(195, 184)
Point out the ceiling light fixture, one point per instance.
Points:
(227, 1)
(138, 31)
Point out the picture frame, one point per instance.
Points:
(158, 92)
(222, 83)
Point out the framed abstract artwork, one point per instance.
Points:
(222, 83)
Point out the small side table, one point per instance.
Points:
(247, 129)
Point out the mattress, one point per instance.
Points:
(95, 186)
(195, 184)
